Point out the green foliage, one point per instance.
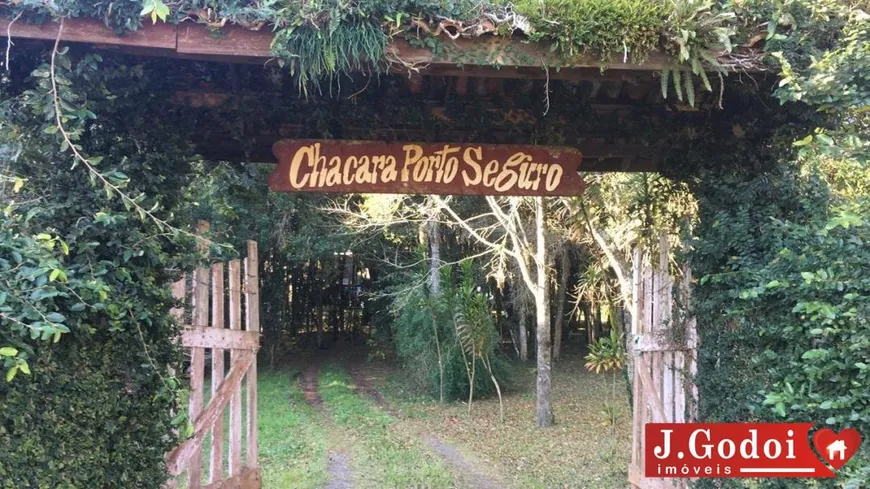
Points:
(327, 38)
(97, 408)
(604, 28)
(821, 274)
(322, 39)
(472, 316)
(696, 30)
(460, 317)
(607, 354)
(781, 244)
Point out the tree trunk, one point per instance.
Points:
(544, 406)
(563, 298)
(524, 331)
(434, 236)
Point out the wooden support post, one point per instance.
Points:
(637, 319)
(197, 358)
(217, 371)
(235, 286)
(252, 308)
(461, 86)
(179, 292)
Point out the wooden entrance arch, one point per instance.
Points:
(663, 363)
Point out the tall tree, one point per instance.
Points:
(503, 232)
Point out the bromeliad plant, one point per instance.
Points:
(608, 355)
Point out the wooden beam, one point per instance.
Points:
(488, 55)
(235, 435)
(252, 325)
(92, 31)
(228, 41)
(658, 341)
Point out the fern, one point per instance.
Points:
(697, 29)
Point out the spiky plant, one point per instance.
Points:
(475, 331)
(608, 355)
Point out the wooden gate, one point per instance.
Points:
(664, 353)
(207, 337)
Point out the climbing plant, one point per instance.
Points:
(89, 243)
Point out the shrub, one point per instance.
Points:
(95, 406)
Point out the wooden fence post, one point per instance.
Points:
(235, 285)
(217, 371)
(197, 356)
(252, 308)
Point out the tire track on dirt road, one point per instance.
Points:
(464, 469)
(338, 471)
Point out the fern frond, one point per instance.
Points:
(664, 80)
(678, 85)
(690, 88)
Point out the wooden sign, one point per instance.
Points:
(308, 165)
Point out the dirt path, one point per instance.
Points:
(470, 475)
(339, 473)
(364, 386)
(309, 386)
(466, 471)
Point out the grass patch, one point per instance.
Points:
(292, 444)
(577, 452)
(382, 456)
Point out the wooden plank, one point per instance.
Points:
(197, 367)
(228, 41)
(217, 369)
(635, 475)
(637, 387)
(197, 357)
(487, 55)
(660, 341)
(499, 51)
(252, 308)
(680, 387)
(235, 448)
(186, 453)
(248, 479)
(208, 337)
(425, 168)
(92, 31)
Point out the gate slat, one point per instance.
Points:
(217, 371)
(235, 286)
(636, 321)
(252, 308)
(197, 368)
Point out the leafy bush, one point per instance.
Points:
(85, 279)
(821, 332)
(424, 328)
